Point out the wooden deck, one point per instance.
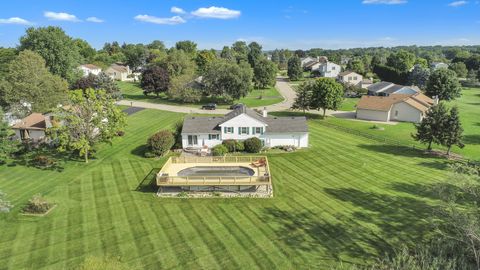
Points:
(168, 175)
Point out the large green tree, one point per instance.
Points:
(136, 55)
(203, 58)
(432, 126)
(178, 62)
(6, 56)
(187, 46)
(419, 76)
(226, 78)
(452, 131)
(254, 53)
(264, 73)
(240, 51)
(327, 94)
(294, 70)
(28, 80)
(91, 118)
(304, 96)
(460, 69)
(356, 65)
(85, 50)
(60, 52)
(7, 146)
(402, 60)
(227, 53)
(444, 84)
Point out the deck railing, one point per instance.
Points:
(263, 178)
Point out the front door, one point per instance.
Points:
(192, 140)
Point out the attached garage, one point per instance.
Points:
(296, 139)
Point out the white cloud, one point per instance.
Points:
(60, 16)
(216, 13)
(177, 10)
(15, 20)
(458, 3)
(152, 19)
(94, 20)
(384, 2)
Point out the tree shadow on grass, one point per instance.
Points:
(472, 139)
(139, 150)
(397, 150)
(148, 183)
(378, 223)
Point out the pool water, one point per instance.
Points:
(238, 171)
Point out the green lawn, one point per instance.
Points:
(469, 106)
(349, 104)
(346, 198)
(256, 98)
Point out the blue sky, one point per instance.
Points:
(290, 24)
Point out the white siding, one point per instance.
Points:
(299, 140)
(373, 115)
(242, 120)
(202, 139)
(405, 113)
(33, 134)
(86, 71)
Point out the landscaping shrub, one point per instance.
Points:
(120, 133)
(253, 145)
(234, 145)
(37, 205)
(160, 142)
(219, 150)
(286, 148)
(43, 161)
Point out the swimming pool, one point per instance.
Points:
(237, 171)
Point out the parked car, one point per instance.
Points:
(235, 106)
(209, 106)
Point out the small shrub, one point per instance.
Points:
(43, 161)
(160, 142)
(234, 145)
(287, 148)
(37, 205)
(182, 194)
(219, 150)
(253, 145)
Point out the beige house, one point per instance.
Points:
(88, 69)
(351, 78)
(119, 72)
(395, 107)
(32, 127)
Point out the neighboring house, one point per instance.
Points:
(241, 124)
(32, 127)
(119, 72)
(328, 70)
(388, 88)
(351, 78)
(307, 60)
(366, 83)
(322, 59)
(437, 65)
(88, 69)
(396, 107)
(311, 66)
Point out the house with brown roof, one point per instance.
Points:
(119, 72)
(395, 107)
(88, 69)
(32, 127)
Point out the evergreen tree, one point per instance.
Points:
(304, 95)
(452, 131)
(294, 71)
(432, 126)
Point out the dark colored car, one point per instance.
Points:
(236, 106)
(209, 106)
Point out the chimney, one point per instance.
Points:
(264, 112)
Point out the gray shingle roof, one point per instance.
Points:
(286, 124)
(210, 125)
(379, 86)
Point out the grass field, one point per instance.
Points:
(256, 98)
(345, 198)
(469, 106)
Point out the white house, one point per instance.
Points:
(119, 72)
(307, 60)
(351, 78)
(328, 70)
(395, 107)
(241, 124)
(32, 127)
(88, 69)
(388, 88)
(437, 65)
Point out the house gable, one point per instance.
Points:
(242, 120)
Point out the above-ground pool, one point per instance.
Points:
(238, 171)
